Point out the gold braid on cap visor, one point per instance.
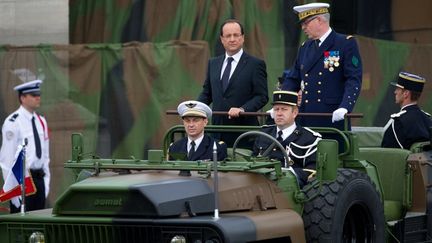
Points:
(303, 15)
(414, 79)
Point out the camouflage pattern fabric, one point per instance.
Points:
(117, 94)
(271, 28)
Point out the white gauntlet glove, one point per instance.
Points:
(339, 114)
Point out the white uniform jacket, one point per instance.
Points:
(16, 128)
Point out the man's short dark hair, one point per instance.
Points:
(231, 21)
(415, 95)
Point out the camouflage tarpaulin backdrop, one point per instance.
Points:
(271, 32)
(117, 94)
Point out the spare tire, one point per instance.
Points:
(348, 209)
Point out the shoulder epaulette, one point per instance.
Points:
(400, 113)
(303, 43)
(316, 134)
(349, 37)
(427, 114)
(13, 118)
(221, 142)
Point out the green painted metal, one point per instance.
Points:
(327, 160)
(385, 167)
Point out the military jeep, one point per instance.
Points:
(363, 193)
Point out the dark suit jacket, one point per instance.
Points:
(411, 125)
(247, 88)
(203, 152)
(300, 136)
(326, 90)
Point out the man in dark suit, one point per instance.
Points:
(235, 82)
(197, 145)
(411, 124)
(328, 70)
(300, 142)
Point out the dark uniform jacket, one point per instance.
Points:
(300, 136)
(410, 125)
(247, 88)
(204, 150)
(326, 87)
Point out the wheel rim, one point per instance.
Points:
(358, 226)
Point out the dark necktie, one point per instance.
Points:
(317, 42)
(313, 50)
(192, 150)
(226, 74)
(279, 137)
(36, 139)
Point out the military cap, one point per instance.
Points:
(410, 82)
(308, 10)
(194, 108)
(285, 97)
(32, 87)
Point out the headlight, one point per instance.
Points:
(37, 237)
(178, 239)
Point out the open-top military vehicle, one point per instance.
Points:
(362, 194)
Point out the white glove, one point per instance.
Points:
(339, 114)
(271, 113)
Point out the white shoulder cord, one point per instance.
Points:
(391, 123)
(310, 149)
(394, 133)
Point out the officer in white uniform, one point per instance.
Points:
(23, 124)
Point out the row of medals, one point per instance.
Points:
(331, 62)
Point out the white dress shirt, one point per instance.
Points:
(197, 143)
(234, 63)
(286, 132)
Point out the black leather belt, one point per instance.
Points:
(37, 173)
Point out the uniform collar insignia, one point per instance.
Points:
(191, 105)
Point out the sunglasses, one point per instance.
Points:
(307, 21)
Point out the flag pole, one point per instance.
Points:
(23, 177)
(216, 182)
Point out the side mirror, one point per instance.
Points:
(327, 160)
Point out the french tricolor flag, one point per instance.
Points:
(12, 186)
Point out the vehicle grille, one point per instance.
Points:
(83, 233)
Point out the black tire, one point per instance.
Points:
(348, 209)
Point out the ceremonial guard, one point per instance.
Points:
(26, 125)
(328, 70)
(197, 145)
(411, 124)
(299, 142)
